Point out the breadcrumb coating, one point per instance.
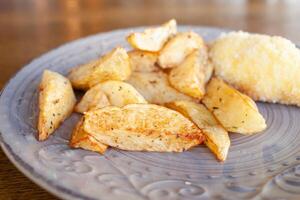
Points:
(267, 68)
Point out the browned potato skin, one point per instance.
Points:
(143, 61)
(81, 139)
(153, 39)
(178, 48)
(235, 111)
(56, 102)
(142, 127)
(192, 74)
(155, 87)
(217, 139)
(113, 66)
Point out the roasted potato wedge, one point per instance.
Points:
(94, 98)
(178, 47)
(81, 139)
(143, 61)
(155, 87)
(142, 127)
(56, 102)
(209, 69)
(116, 93)
(190, 76)
(217, 138)
(153, 39)
(235, 111)
(112, 66)
(267, 68)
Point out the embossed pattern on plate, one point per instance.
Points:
(262, 166)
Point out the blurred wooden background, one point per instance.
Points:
(29, 28)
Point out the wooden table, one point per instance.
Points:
(29, 28)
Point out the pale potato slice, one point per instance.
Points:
(120, 93)
(142, 127)
(81, 139)
(178, 47)
(94, 98)
(143, 61)
(217, 138)
(116, 93)
(235, 111)
(153, 39)
(56, 102)
(267, 68)
(113, 66)
(190, 76)
(209, 69)
(155, 88)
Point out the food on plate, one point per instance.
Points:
(189, 77)
(94, 98)
(113, 66)
(81, 139)
(142, 127)
(209, 71)
(235, 111)
(155, 87)
(116, 93)
(162, 95)
(143, 61)
(153, 39)
(56, 102)
(216, 137)
(267, 68)
(178, 47)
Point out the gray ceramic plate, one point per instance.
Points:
(263, 166)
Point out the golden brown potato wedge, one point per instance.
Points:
(153, 39)
(155, 88)
(113, 66)
(116, 93)
(81, 139)
(143, 61)
(217, 138)
(235, 111)
(190, 76)
(267, 68)
(178, 47)
(142, 127)
(56, 102)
